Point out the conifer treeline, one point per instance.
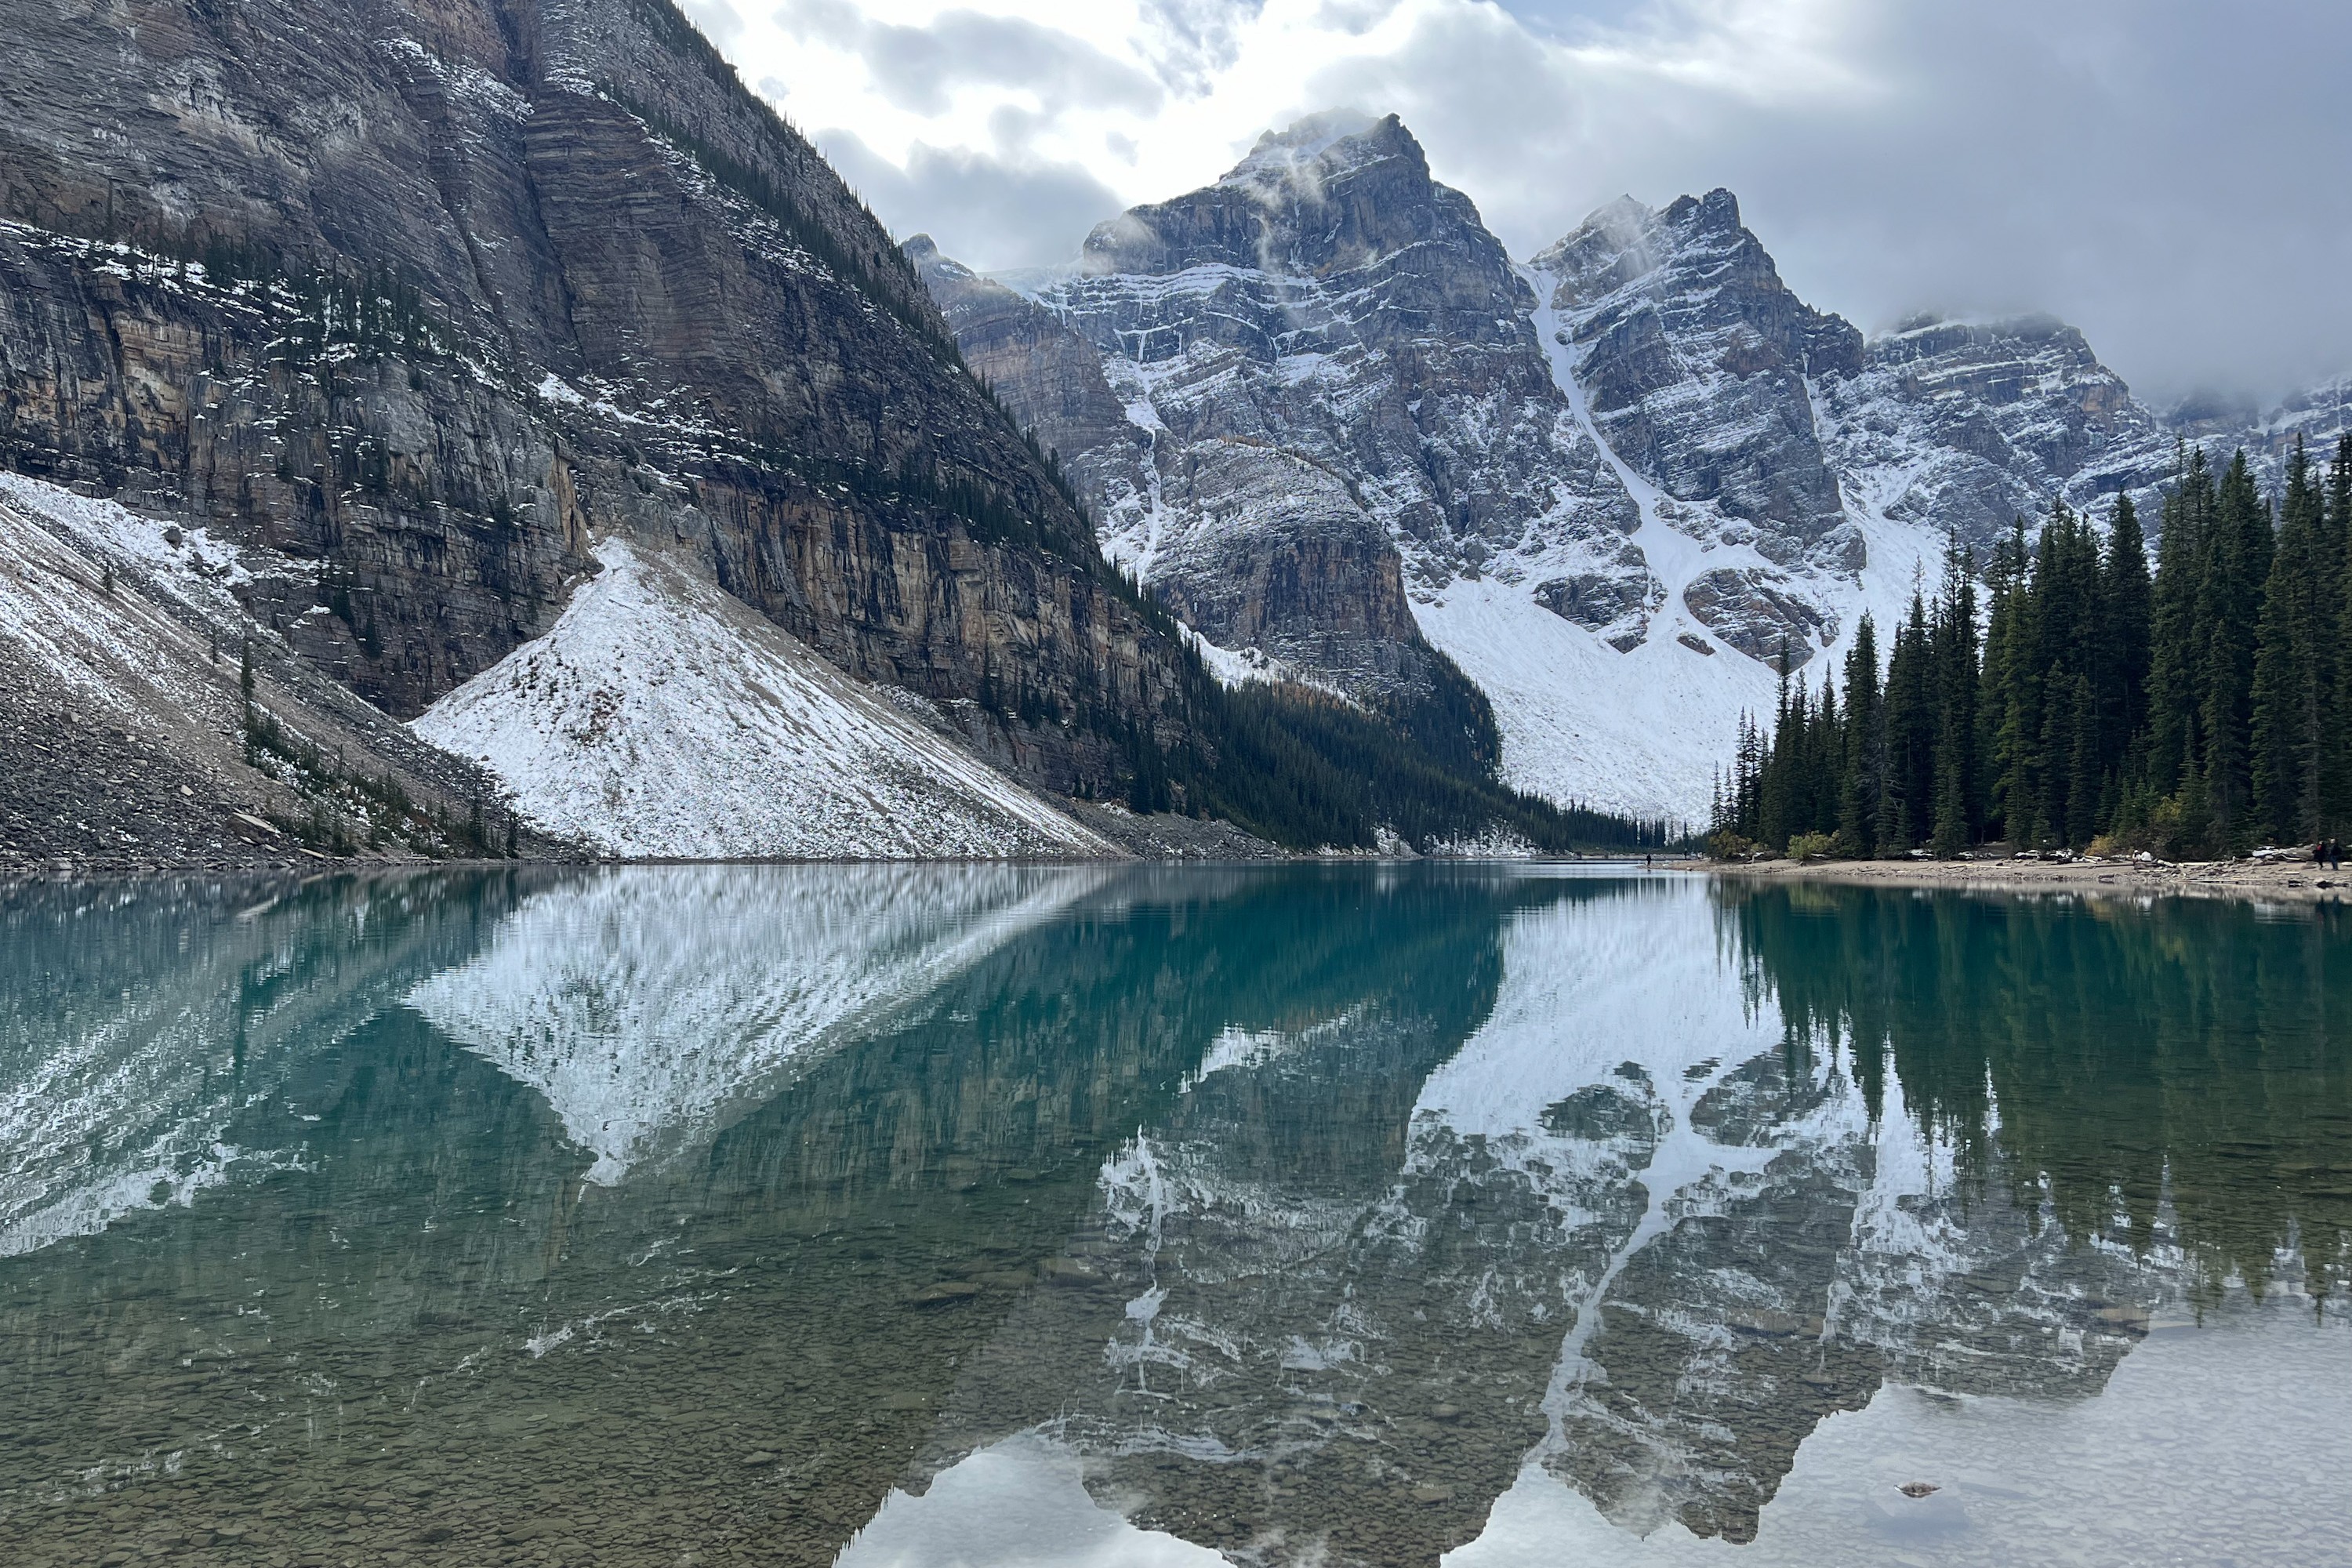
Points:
(2197, 713)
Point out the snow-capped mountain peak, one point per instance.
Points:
(1283, 157)
(1615, 486)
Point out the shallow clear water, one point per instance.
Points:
(995, 1215)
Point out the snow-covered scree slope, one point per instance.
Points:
(661, 718)
(648, 1029)
(121, 721)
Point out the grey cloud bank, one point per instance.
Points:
(2167, 176)
(1016, 213)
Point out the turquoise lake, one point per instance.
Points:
(1115, 1214)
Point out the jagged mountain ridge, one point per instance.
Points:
(1340, 397)
(1615, 483)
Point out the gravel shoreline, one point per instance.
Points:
(2266, 881)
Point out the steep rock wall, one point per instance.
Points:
(474, 282)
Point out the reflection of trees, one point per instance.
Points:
(2194, 1051)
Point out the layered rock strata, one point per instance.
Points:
(1338, 398)
(436, 295)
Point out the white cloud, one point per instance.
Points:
(1016, 212)
(963, 55)
(2164, 173)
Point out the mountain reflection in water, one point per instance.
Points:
(998, 1213)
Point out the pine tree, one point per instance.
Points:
(2335, 724)
(1749, 787)
(2083, 778)
(2125, 605)
(1954, 641)
(2238, 561)
(1772, 791)
(2177, 636)
(2291, 642)
(2005, 717)
(2068, 637)
(1824, 751)
(1863, 766)
(1910, 727)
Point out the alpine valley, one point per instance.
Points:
(484, 427)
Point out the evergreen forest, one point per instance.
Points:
(2069, 699)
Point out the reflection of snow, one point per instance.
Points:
(1021, 1501)
(2132, 1471)
(652, 1005)
(167, 1169)
(1238, 1048)
(1630, 997)
(118, 1095)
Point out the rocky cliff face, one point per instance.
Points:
(436, 295)
(1340, 401)
(1615, 485)
(1961, 426)
(1694, 356)
(1693, 359)
(1049, 378)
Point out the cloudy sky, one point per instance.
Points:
(2173, 176)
